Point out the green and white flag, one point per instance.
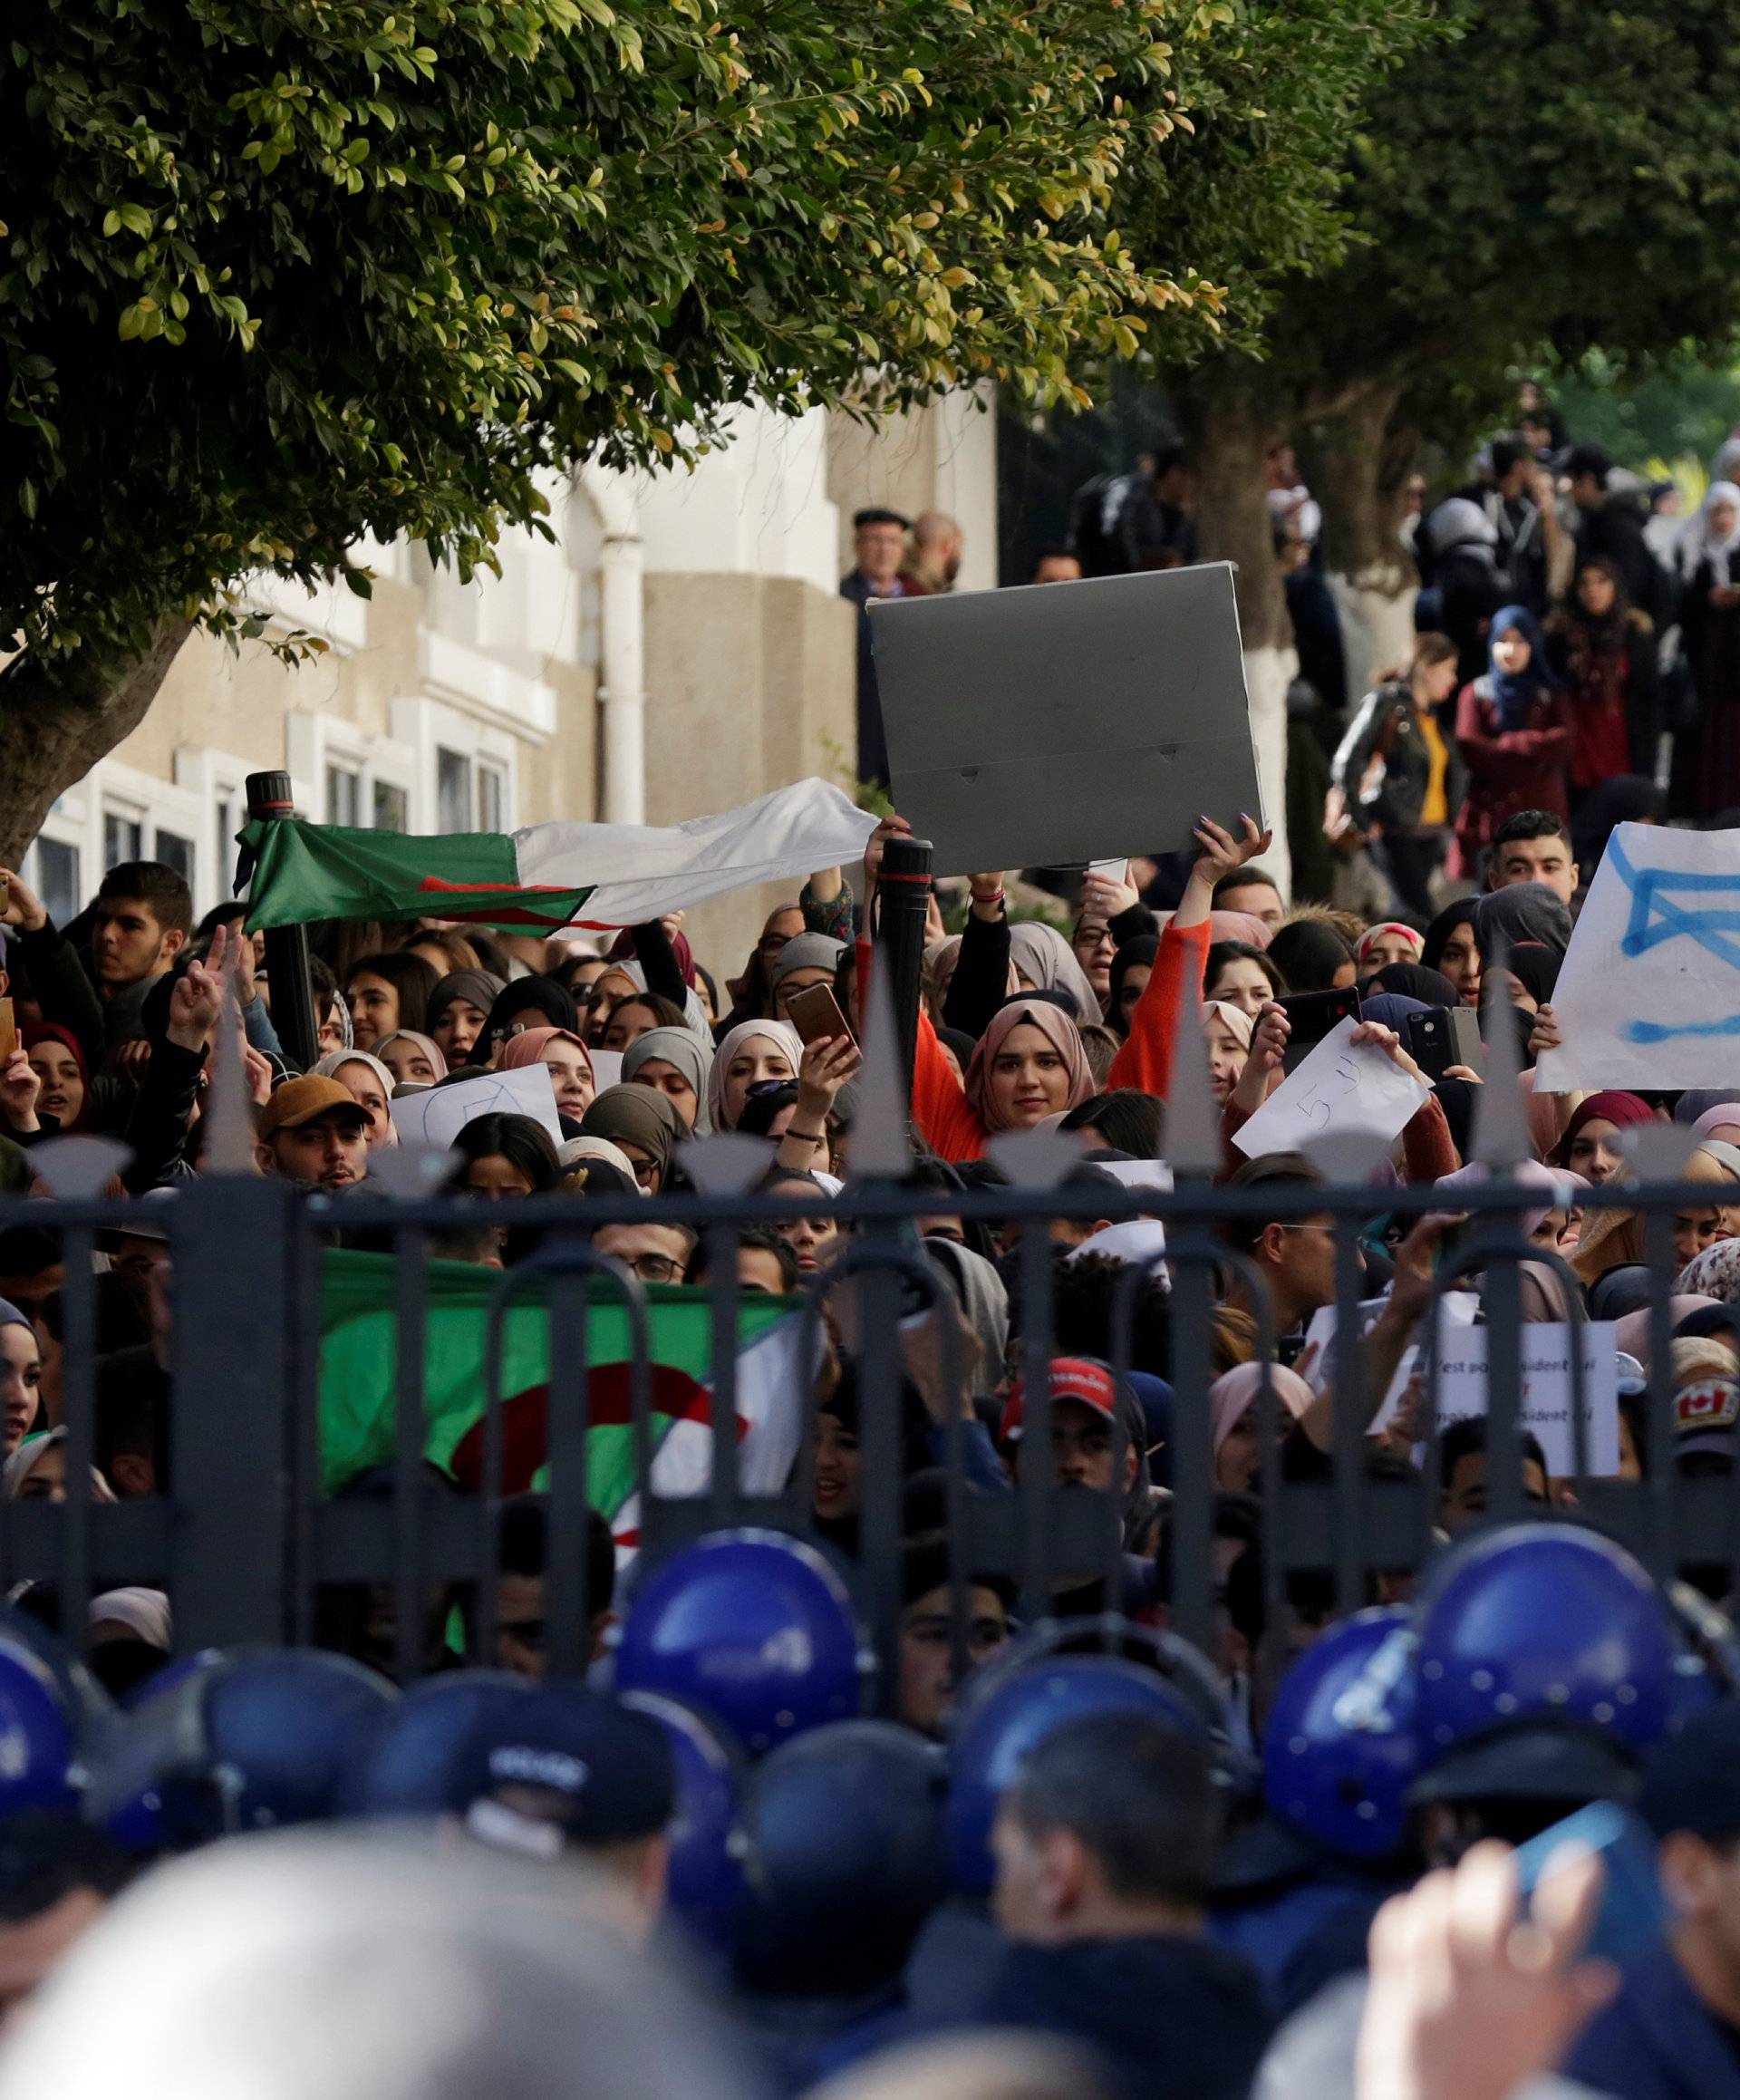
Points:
(359, 1389)
(552, 874)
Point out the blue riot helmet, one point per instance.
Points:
(844, 1857)
(254, 1741)
(705, 1889)
(1178, 1661)
(1332, 1771)
(38, 1733)
(406, 1763)
(1542, 1621)
(752, 1626)
(1010, 1716)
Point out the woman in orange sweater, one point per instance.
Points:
(1030, 1063)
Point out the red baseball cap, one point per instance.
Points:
(1071, 1377)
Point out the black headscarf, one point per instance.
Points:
(1308, 955)
(541, 995)
(1438, 934)
(1415, 980)
(1456, 1098)
(1535, 967)
(1142, 950)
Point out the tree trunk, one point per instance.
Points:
(1359, 465)
(54, 726)
(1231, 418)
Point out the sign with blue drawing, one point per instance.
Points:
(1649, 992)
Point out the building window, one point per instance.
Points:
(452, 790)
(59, 882)
(492, 798)
(343, 797)
(123, 839)
(176, 852)
(225, 843)
(392, 808)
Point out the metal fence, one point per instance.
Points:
(249, 1550)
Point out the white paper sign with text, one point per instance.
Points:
(438, 1115)
(1546, 1389)
(1341, 1086)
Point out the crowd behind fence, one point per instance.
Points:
(250, 1548)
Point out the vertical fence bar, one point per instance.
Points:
(410, 1249)
(567, 1634)
(880, 1413)
(235, 1361)
(78, 1401)
(1655, 1545)
(1192, 1523)
(1348, 1432)
(722, 1275)
(1037, 1481)
(1503, 1387)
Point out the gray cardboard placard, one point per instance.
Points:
(1056, 724)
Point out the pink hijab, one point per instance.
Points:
(1058, 1031)
(1235, 1392)
(527, 1048)
(1631, 1332)
(1712, 1119)
(1235, 1018)
(1239, 926)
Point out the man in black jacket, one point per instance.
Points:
(1104, 1848)
(1611, 522)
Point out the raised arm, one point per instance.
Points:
(1175, 988)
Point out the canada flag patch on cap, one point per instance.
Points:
(1713, 1403)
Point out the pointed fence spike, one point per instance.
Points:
(724, 1163)
(1034, 1158)
(1193, 1114)
(78, 1168)
(1500, 1138)
(406, 1171)
(881, 1149)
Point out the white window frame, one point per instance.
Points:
(428, 726)
(214, 776)
(313, 742)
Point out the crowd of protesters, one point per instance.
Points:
(1188, 1860)
(1280, 1863)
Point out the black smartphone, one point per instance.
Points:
(1311, 1016)
(1444, 1036)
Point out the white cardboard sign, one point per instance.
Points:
(1546, 1389)
(438, 1115)
(1341, 1087)
(1648, 994)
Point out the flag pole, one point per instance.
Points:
(270, 796)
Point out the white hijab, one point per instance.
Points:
(1701, 542)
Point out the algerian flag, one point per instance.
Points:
(359, 1393)
(552, 874)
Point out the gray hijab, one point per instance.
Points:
(1523, 911)
(692, 1057)
(1048, 961)
(806, 952)
(985, 1299)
